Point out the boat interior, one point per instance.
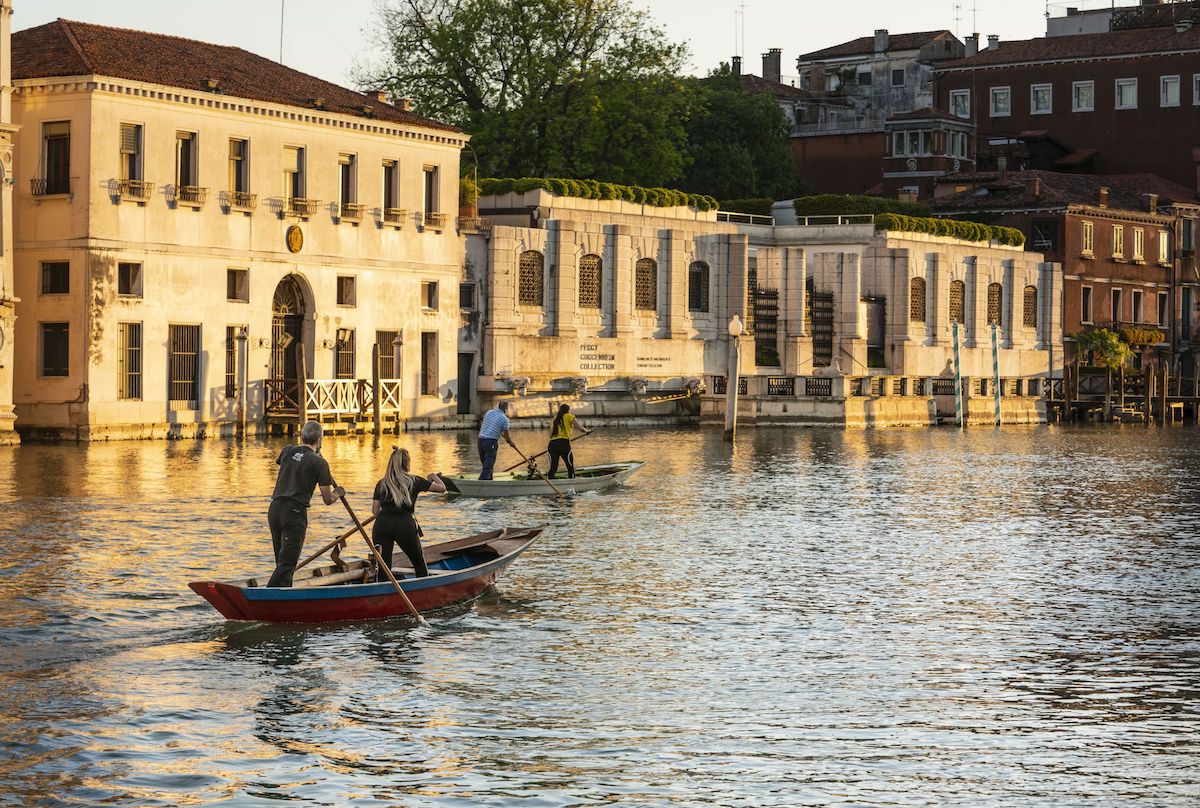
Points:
(440, 557)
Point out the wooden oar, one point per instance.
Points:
(379, 560)
(533, 467)
(539, 454)
(339, 540)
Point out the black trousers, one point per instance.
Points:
(487, 456)
(389, 530)
(289, 524)
(561, 448)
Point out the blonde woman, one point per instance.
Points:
(393, 504)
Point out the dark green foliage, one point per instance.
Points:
(838, 205)
(967, 231)
(759, 206)
(590, 189)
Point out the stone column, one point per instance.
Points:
(8, 299)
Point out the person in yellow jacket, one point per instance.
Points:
(560, 439)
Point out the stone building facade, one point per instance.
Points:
(173, 196)
(8, 299)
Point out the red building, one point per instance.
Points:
(1119, 102)
(922, 146)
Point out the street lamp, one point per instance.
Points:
(731, 377)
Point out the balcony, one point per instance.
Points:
(298, 206)
(131, 190)
(473, 224)
(240, 200)
(394, 217)
(192, 196)
(434, 221)
(56, 186)
(350, 211)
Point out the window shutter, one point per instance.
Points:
(129, 139)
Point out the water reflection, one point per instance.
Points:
(885, 618)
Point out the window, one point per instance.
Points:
(864, 78)
(914, 142)
(1164, 309)
(56, 277)
(899, 144)
(957, 301)
(343, 354)
(530, 279)
(1136, 300)
(1185, 313)
(56, 158)
(1139, 245)
(1085, 307)
(239, 166)
(385, 341)
(183, 365)
(348, 184)
(645, 285)
(231, 360)
(1164, 247)
(1118, 241)
(698, 282)
(916, 300)
(1126, 94)
(960, 103)
(391, 185)
(429, 363)
(590, 268)
(345, 290)
(131, 151)
(429, 295)
(898, 77)
(995, 301)
(186, 150)
(129, 279)
(466, 296)
(237, 285)
(1187, 229)
(293, 172)
(129, 361)
(430, 174)
(1041, 99)
(1029, 307)
(1086, 238)
(1083, 96)
(1116, 306)
(956, 144)
(55, 352)
(1196, 90)
(1168, 91)
(1001, 102)
(1045, 235)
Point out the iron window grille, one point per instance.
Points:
(183, 364)
(589, 282)
(1029, 309)
(957, 301)
(995, 296)
(56, 277)
(645, 291)
(698, 281)
(530, 279)
(916, 301)
(129, 361)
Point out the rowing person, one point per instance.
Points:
(394, 504)
(301, 470)
(560, 439)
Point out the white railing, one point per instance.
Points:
(336, 397)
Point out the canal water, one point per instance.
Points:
(908, 617)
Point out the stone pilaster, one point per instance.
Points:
(674, 280)
(937, 300)
(618, 297)
(8, 300)
(564, 261)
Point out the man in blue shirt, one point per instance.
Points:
(494, 427)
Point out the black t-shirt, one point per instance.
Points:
(388, 506)
(301, 470)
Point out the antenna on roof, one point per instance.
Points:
(958, 19)
(281, 3)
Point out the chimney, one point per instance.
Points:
(972, 43)
(378, 95)
(1033, 187)
(772, 65)
(1152, 203)
(405, 104)
(1102, 196)
(881, 40)
(736, 65)
(993, 42)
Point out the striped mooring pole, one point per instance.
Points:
(958, 413)
(996, 369)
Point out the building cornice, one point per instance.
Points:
(194, 99)
(1063, 61)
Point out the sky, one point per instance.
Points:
(327, 39)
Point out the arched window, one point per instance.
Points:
(589, 282)
(645, 285)
(958, 307)
(916, 300)
(529, 279)
(1029, 320)
(698, 286)
(995, 297)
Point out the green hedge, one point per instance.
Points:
(591, 189)
(758, 206)
(967, 231)
(837, 205)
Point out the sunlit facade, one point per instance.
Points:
(7, 287)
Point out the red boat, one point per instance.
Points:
(460, 570)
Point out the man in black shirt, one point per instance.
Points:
(301, 470)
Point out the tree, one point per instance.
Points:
(737, 141)
(566, 88)
(1108, 351)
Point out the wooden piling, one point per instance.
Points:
(375, 411)
(301, 377)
